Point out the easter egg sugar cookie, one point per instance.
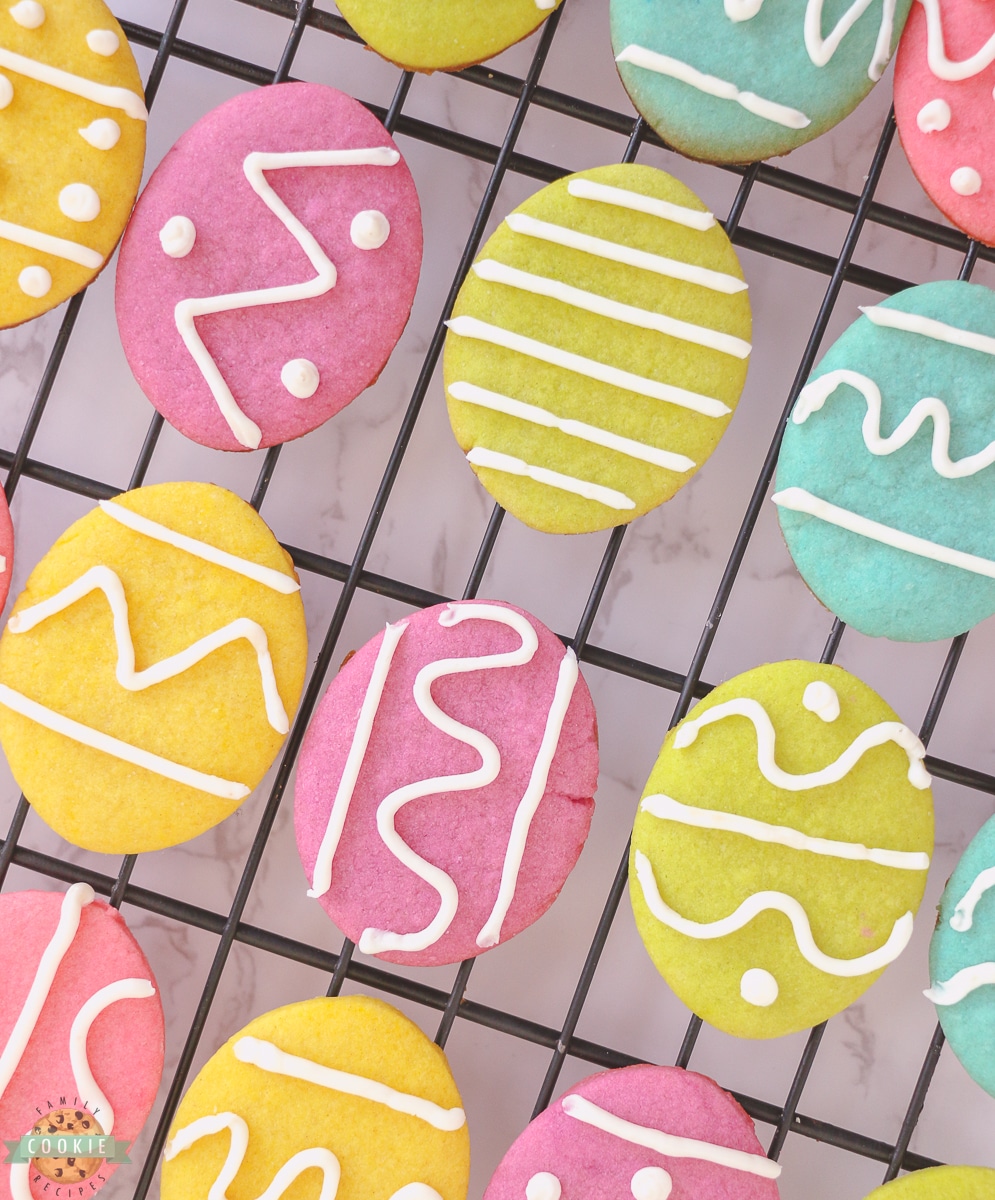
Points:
(780, 849)
(940, 1183)
(150, 668)
(72, 144)
(597, 349)
(269, 267)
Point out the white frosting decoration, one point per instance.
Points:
(963, 917)
(60, 247)
(605, 193)
(799, 500)
(470, 393)
(758, 987)
(742, 10)
(416, 1191)
(603, 306)
(952, 991)
(28, 13)
(651, 1183)
(546, 5)
(35, 281)
(543, 1186)
(668, 1144)
(934, 116)
(936, 54)
(104, 42)
(269, 1057)
(300, 377)
(110, 97)
(821, 699)
(573, 239)
(267, 576)
(177, 236)
(752, 906)
(369, 229)
(966, 181)
(6, 91)
(821, 50)
(102, 134)
(246, 431)
(494, 460)
(668, 809)
(471, 327)
(722, 89)
(754, 711)
(79, 202)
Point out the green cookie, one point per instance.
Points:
(940, 1183)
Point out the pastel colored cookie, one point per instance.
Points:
(443, 35)
(780, 849)
(884, 489)
(962, 959)
(150, 668)
(597, 349)
(347, 1087)
(747, 79)
(269, 267)
(944, 79)
(444, 789)
(72, 144)
(6, 548)
(81, 1034)
(940, 1183)
(645, 1132)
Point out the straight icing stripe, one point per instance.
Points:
(799, 500)
(471, 327)
(271, 1058)
(47, 244)
(268, 576)
(963, 917)
(821, 50)
(470, 393)
(602, 306)
(940, 331)
(493, 460)
(668, 809)
(605, 193)
(952, 991)
(722, 89)
(936, 54)
(86, 736)
(668, 1144)
(752, 906)
(110, 97)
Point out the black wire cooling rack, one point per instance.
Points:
(758, 192)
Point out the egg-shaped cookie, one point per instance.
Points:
(150, 668)
(72, 144)
(597, 349)
(940, 1183)
(885, 483)
(780, 849)
(345, 1089)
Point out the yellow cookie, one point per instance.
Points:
(940, 1183)
(347, 1087)
(72, 144)
(150, 667)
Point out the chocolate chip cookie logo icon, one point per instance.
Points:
(67, 1146)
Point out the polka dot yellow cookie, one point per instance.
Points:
(150, 668)
(940, 1183)
(597, 349)
(72, 144)
(780, 849)
(347, 1087)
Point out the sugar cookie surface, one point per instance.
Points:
(940, 1183)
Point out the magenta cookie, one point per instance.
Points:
(269, 267)
(650, 1133)
(475, 712)
(81, 1032)
(945, 109)
(6, 548)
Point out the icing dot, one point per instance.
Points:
(369, 229)
(742, 10)
(300, 377)
(102, 134)
(35, 281)
(79, 202)
(543, 1186)
(103, 41)
(819, 698)
(651, 1183)
(28, 13)
(416, 1191)
(934, 116)
(965, 181)
(6, 91)
(758, 987)
(178, 236)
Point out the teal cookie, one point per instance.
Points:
(885, 483)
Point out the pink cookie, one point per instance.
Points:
(80, 1026)
(477, 713)
(269, 267)
(6, 548)
(945, 109)
(643, 1132)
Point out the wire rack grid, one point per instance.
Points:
(653, 612)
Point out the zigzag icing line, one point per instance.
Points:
(936, 53)
(963, 917)
(952, 991)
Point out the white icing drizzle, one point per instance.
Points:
(668, 809)
(6, 91)
(268, 1057)
(471, 327)
(668, 1144)
(300, 377)
(603, 306)
(722, 89)
(102, 134)
(87, 736)
(20, 1186)
(494, 460)
(651, 1183)
(470, 393)
(758, 987)
(101, 578)
(416, 1191)
(742, 10)
(59, 247)
(821, 50)
(28, 13)
(752, 906)
(573, 239)
(269, 577)
(369, 229)
(963, 917)
(110, 97)
(934, 116)
(104, 42)
(546, 5)
(79, 202)
(821, 699)
(246, 431)
(966, 181)
(952, 991)
(177, 236)
(606, 193)
(894, 318)
(754, 711)
(936, 54)
(35, 281)
(800, 500)
(543, 1186)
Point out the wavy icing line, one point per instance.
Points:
(951, 991)
(928, 327)
(963, 917)
(606, 193)
(495, 460)
(936, 54)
